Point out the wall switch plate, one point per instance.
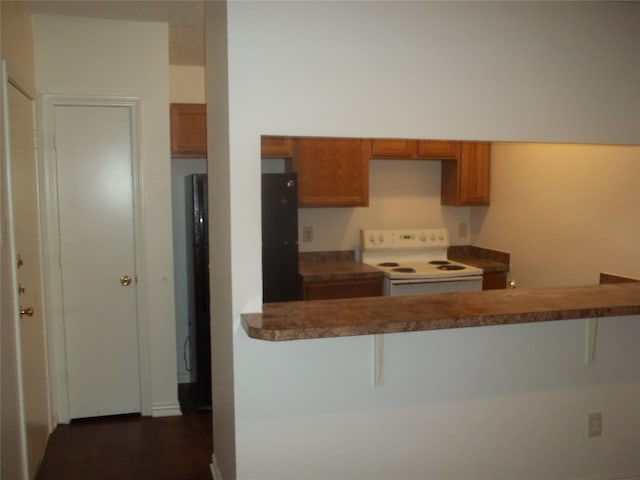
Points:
(594, 425)
(307, 234)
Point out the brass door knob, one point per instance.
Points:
(28, 311)
(125, 280)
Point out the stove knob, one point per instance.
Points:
(440, 236)
(372, 238)
(381, 238)
(422, 237)
(432, 236)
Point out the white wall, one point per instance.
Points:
(402, 194)
(186, 84)
(221, 204)
(507, 402)
(106, 57)
(491, 71)
(565, 212)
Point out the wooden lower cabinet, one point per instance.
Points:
(494, 281)
(188, 130)
(332, 172)
(325, 290)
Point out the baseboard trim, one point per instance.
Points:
(217, 475)
(166, 410)
(215, 471)
(617, 476)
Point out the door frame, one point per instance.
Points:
(51, 246)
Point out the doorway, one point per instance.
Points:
(92, 232)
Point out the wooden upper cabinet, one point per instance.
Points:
(188, 130)
(467, 180)
(438, 149)
(415, 149)
(332, 172)
(276, 147)
(392, 148)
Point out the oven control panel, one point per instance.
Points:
(407, 238)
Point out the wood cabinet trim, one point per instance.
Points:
(272, 146)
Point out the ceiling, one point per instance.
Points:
(185, 19)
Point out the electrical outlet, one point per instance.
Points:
(595, 425)
(463, 229)
(307, 234)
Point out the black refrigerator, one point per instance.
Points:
(198, 283)
(281, 281)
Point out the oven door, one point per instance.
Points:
(395, 287)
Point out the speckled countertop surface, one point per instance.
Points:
(372, 315)
(337, 271)
(341, 264)
(334, 265)
(490, 261)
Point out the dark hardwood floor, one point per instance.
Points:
(131, 447)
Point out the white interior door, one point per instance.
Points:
(26, 422)
(13, 451)
(94, 172)
(26, 221)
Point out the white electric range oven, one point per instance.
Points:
(414, 262)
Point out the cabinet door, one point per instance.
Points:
(276, 147)
(466, 181)
(494, 281)
(474, 166)
(188, 130)
(438, 149)
(332, 172)
(392, 148)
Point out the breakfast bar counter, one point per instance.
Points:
(376, 315)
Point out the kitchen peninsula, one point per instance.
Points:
(376, 315)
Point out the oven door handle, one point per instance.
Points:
(471, 278)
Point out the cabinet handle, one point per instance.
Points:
(512, 284)
(26, 311)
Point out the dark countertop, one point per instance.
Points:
(490, 261)
(487, 266)
(334, 265)
(341, 264)
(374, 315)
(326, 271)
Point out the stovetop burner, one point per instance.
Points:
(413, 255)
(404, 270)
(451, 267)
